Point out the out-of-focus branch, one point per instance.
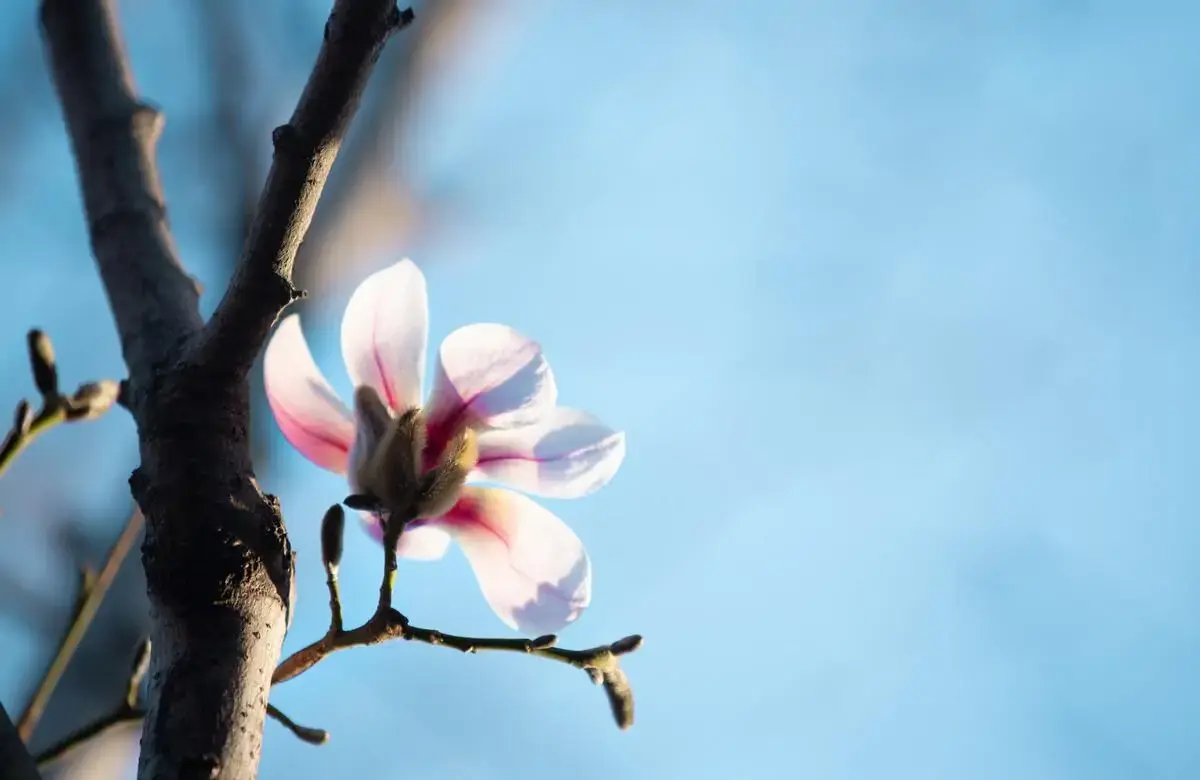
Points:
(91, 594)
(305, 149)
(126, 710)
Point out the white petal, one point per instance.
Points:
(417, 543)
(532, 568)
(566, 454)
(384, 334)
(491, 375)
(313, 419)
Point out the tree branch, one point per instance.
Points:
(219, 567)
(305, 149)
(113, 137)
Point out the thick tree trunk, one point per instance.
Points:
(219, 567)
(219, 571)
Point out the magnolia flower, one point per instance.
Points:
(491, 413)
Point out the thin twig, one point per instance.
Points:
(91, 400)
(90, 598)
(26, 427)
(126, 710)
(129, 710)
(303, 733)
(123, 714)
(600, 663)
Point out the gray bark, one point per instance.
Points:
(219, 568)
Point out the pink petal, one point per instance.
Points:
(419, 542)
(488, 375)
(566, 454)
(384, 334)
(313, 419)
(532, 568)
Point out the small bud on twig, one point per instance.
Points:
(92, 399)
(626, 645)
(333, 527)
(41, 358)
(620, 697)
(363, 503)
(22, 418)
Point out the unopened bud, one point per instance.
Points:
(41, 360)
(396, 466)
(620, 697)
(333, 527)
(93, 399)
(626, 645)
(22, 417)
(441, 487)
(362, 502)
(386, 458)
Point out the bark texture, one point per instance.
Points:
(219, 568)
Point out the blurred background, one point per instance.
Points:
(897, 304)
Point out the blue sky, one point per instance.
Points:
(897, 305)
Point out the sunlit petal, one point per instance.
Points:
(566, 454)
(532, 568)
(489, 375)
(384, 334)
(310, 415)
